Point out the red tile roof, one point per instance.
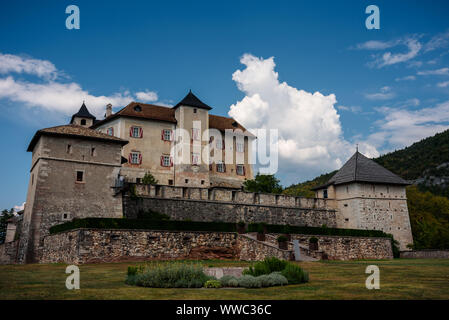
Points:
(73, 130)
(154, 112)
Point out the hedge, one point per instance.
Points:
(119, 223)
(151, 224)
(323, 231)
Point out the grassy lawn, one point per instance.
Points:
(399, 279)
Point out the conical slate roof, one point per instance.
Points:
(83, 113)
(192, 101)
(362, 169)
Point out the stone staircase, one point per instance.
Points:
(270, 240)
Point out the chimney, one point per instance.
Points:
(108, 110)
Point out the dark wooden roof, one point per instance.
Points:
(191, 100)
(74, 131)
(362, 169)
(83, 113)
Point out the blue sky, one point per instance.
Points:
(310, 69)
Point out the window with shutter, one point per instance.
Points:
(136, 132)
(166, 135)
(135, 157)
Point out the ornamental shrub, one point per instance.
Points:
(295, 274)
(248, 281)
(212, 284)
(148, 178)
(169, 275)
(267, 266)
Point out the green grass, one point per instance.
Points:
(399, 279)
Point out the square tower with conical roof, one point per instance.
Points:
(368, 196)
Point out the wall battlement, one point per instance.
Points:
(218, 204)
(231, 196)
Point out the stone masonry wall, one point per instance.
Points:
(95, 245)
(426, 254)
(350, 248)
(205, 210)
(228, 206)
(8, 252)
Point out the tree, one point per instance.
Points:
(4, 217)
(265, 183)
(148, 178)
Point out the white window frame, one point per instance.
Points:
(242, 168)
(167, 135)
(136, 132)
(166, 161)
(110, 131)
(136, 155)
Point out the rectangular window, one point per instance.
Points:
(195, 158)
(240, 169)
(93, 153)
(135, 157)
(325, 194)
(221, 167)
(166, 161)
(79, 176)
(166, 135)
(195, 134)
(136, 132)
(69, 148)
(110, 131)
(240, 147)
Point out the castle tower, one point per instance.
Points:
(83, 117)
(72, 173)
(368, 196)
(191, 168)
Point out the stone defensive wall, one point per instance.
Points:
(217, 204)
(347, 248)
(80, 246)
(106, 245)
(425, 254)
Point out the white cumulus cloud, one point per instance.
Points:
(310, 132)
(51, 94)
(17, 64)
(146, 96)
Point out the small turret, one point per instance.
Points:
(83, 117)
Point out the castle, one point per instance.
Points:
(78, 170)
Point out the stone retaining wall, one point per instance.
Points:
(98, 245)
(425, 254)
(8, 252)
(350, 248)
